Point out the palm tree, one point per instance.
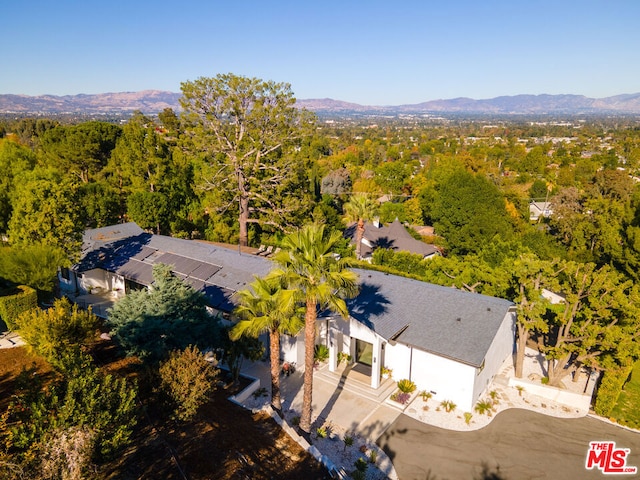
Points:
(267, 307)
(360, 208)
(308, 265)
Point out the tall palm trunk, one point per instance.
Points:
(274, 350)
(309, 345)
(359, 236)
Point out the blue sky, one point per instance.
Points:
(369, 52)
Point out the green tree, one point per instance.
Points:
(45, 211)
(81, 150)
(15, 160)
(308, 265)
(150, 210)
(530, 276)
(469, 212)
(245, 127)
(150, 323)
(598, 319)
(266, 307)
(360, 209)
(141, 159)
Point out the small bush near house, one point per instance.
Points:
(187, 378)
(406, 386)
(321, 353)
(401, 397)
(343, 357)
(484, 407)
(448, 405)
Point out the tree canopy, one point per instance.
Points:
(245, 128)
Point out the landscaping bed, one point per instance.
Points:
(224, 441)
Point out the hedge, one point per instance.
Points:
(610, 388)
(11, 306)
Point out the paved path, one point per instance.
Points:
(523, 444)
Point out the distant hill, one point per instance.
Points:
(147, 101)
(153, 101)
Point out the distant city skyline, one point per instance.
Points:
(370, 53)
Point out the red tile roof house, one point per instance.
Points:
(447, 341)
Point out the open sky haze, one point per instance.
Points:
(369, 52)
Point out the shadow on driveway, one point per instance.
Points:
(517, 444)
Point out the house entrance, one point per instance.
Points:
(364, 352)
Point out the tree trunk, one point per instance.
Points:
(309, 344)
(274, 349)
(557, 371)
(243, 220)
(523, 335)
(359, 236)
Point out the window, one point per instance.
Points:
(64, 273)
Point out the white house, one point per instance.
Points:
(447, 341)
(539, 209)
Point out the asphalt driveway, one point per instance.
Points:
(517, 444)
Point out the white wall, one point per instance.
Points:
(502, 347)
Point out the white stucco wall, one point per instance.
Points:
(502, 347)
(447, 379)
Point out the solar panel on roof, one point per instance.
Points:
(138, 271)
(180, 264)
(195, 283)
(204, 271)
(144, 253)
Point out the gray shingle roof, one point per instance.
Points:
(216, 271)
(394, 237)
(441, 320)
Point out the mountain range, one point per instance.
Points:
(154, 101)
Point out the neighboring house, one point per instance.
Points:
(120, 258)
(447, 341)
(394, 237)
(539, 209)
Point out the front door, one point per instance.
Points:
(364, 352)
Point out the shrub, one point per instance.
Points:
(361, 465)
(400, 397)
(406, 386)
(344, 357)
(56, 329)
(66, 453)
(426, 395)
(467, 417)
(322, 432)
(188, 379)
(448, 405)
(484, 407)
(321, 353)
(610, 388)
(12, 306)
(86, 398)
(373, 456)
(348, 441)
(494, 396)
